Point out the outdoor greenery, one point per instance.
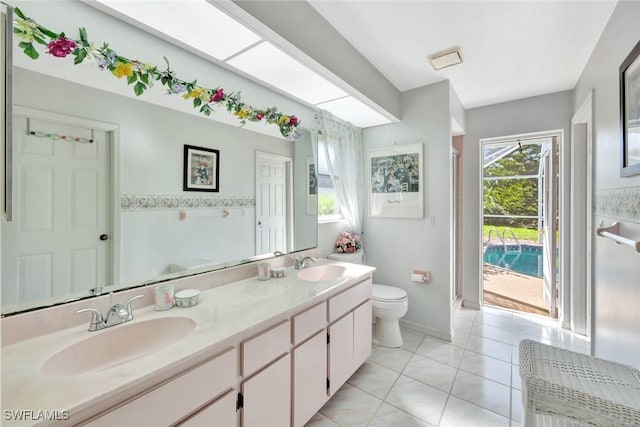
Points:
(522, 234)
(513, 196)
(326, 204)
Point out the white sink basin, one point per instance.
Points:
(321, 273)
(116, 345)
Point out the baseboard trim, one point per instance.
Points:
(471, 304)
(426, 330)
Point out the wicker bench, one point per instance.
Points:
(565, 388)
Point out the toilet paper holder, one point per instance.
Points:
(420, 276)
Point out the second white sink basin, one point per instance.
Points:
(112, 347)
(321, 273)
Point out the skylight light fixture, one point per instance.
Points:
(270, 64)
(220, 37)
(445, 58)
(354, 111)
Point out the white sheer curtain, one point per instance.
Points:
(343, 151)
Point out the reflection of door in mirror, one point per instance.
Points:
(273, 203)
(61, 208)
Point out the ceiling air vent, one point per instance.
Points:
(445, 58)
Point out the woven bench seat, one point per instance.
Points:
(565, 388)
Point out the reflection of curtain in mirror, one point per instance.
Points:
(343, 151)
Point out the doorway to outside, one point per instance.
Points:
(520, 215)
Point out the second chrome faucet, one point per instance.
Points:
(301, 263)
(118, 313)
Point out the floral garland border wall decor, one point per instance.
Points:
(142, 75)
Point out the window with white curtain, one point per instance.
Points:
(328, 204)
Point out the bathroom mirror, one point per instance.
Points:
(98, 198)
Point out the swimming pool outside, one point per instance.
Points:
(528, 261)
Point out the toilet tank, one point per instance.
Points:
(355, 258)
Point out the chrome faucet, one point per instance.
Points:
(301, 263)
(118, 313)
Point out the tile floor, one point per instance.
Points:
(472, 381)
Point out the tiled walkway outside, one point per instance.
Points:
(509, 289)
(473, 381)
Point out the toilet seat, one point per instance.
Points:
(385, 293)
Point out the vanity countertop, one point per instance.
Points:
(224, 315)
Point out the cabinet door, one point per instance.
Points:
(267, 396)
(221, 413)
(340, 352)
(361, 334)
(309, 378)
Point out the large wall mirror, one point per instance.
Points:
(98, 196)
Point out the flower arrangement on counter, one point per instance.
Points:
(142, 75)
(348, 242)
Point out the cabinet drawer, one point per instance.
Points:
(346, 301)
(174, 400)
(260, 350)
(221, 413)
(309, 322)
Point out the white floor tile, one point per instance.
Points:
(374, 379)
(320, 420)
(411, 339)
(498, 320)
(418, 399)
(431, 372)
(460, 337)
(391, 358)
(489, 347)
(351, 407)
(516, 381)
(486, 367)
(516, 405)
(482, 392)
(472, 381)
(441, 351)
(492, 332)
(388, 416)
(460, 413)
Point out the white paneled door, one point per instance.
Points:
(272, 203)
(59, 240)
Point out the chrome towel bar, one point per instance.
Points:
(613, 232)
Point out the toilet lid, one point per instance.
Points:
(388, 293)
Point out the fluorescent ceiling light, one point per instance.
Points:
(269, 64)
(446, 58)
(193, 22)
(355, 111)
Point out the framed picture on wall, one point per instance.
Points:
(395, 177)
(201, 169)
(312, 187)
(630, 112)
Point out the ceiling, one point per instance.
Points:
(511, 49)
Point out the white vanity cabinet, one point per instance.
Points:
(172, 401)
(280, 376)
(220, 413)
(309, 363)
(349, 333)
(267, 396)
(266, 371)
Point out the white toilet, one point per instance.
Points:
(389, 304)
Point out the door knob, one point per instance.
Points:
(104, 237)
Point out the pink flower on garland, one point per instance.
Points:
(259, 116)
(217, 96)
(61, 47)
(293, 120)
